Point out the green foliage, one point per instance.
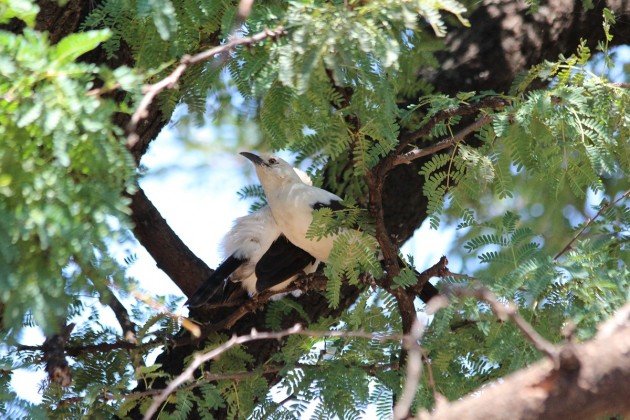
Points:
(24, 10)
(353, 253)
(329, 90)
(63, 169)
(572, 136)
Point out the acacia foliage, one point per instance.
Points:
(328, 91)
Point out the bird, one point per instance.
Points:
(257, 256)
(292, 203)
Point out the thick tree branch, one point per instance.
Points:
(169, 251)
(128, 327)
(593, 389)
(55, 357)
(505, 37)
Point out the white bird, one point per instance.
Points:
(257, 256)
(292, 203)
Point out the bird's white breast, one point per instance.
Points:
(293, 212)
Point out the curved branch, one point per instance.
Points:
(170, 81)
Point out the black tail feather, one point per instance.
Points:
(429, 291)
(212, 289)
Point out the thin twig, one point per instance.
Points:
(588, 223)
(303, 283)
(186, 323)
(491, 102)
(200, 359)
(242, 12)
(417, 153)
(170, 81)
(508, 311)
(430, 377)
(414, 370)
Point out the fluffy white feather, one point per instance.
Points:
(250, 237)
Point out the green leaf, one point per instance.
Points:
(74, 45)
(24, 10)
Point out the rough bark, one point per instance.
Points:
(596, 384)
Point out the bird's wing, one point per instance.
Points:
(334, 205)
(212, 288)
(428, 292)
(318, 198)
(281, 261)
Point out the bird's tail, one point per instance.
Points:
(429, 291)
(212, 289)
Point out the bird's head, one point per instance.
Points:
(271, 170)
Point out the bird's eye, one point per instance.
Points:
(272, 161)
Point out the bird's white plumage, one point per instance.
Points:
(250, 237)
(291, 202)
(292, 207)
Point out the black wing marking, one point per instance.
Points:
(281, 261)
(212, 288)
(334, 205)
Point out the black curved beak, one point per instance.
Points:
(255, 159)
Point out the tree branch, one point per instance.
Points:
(439, 269)
(414, 370)
(169, 252)
(601, 211)
(305, 283)
(417, 153)
(405, 139)
(128, 327)
(311, 282)
(504, 312)
(593, 389)
(55, 357)
(170, 81)
(200, 359)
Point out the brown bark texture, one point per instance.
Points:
(596, 383)
(503, 40)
